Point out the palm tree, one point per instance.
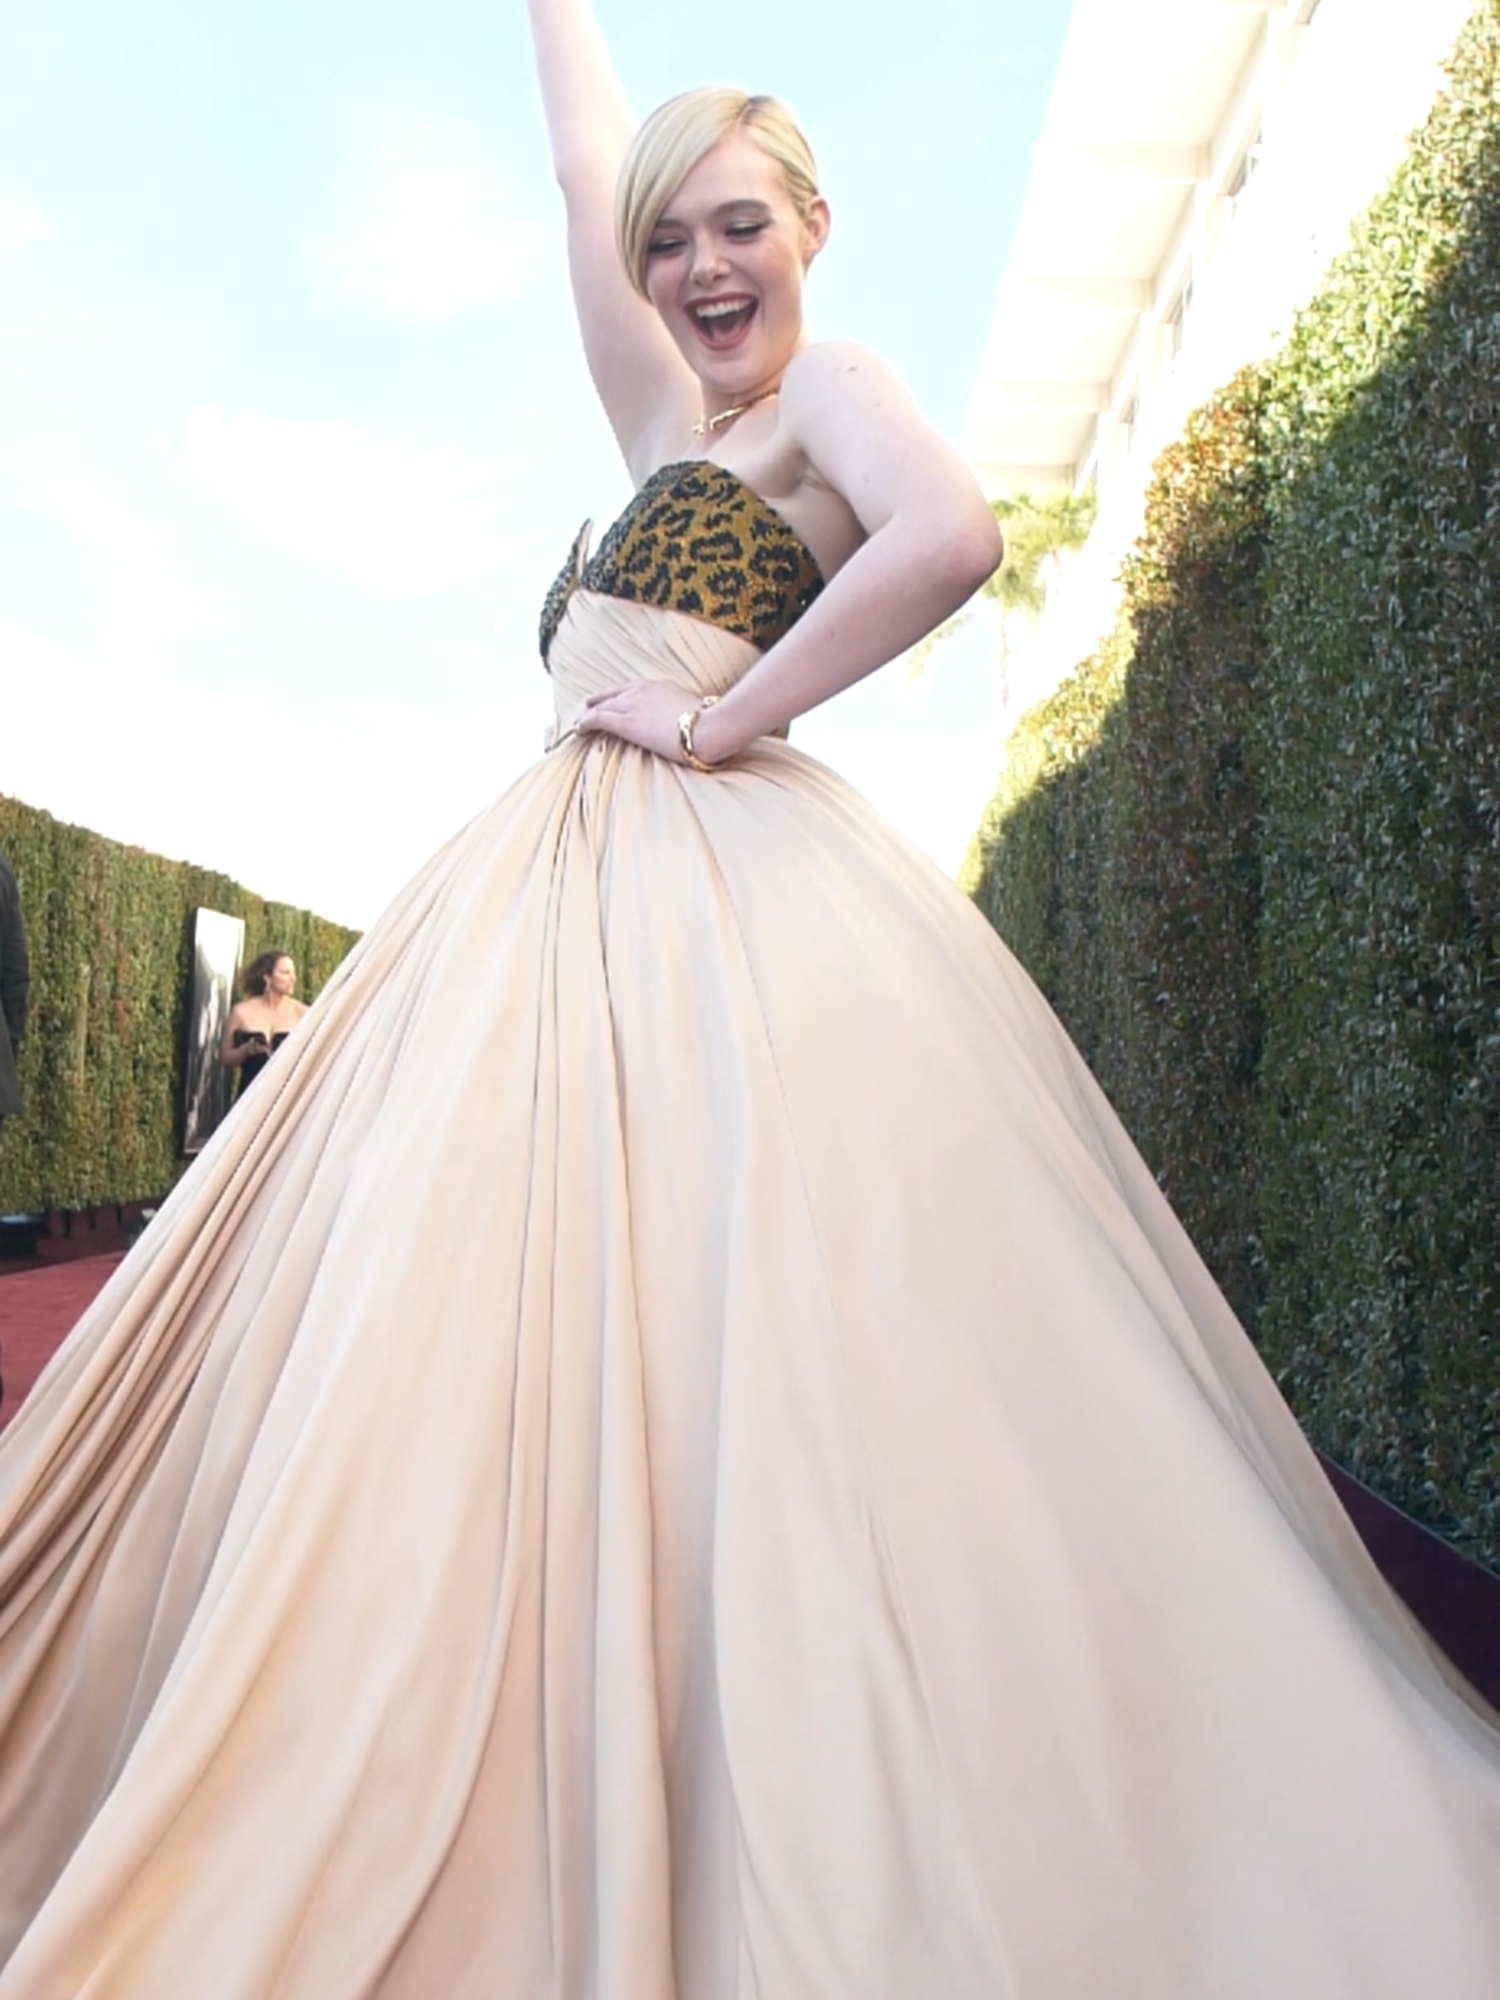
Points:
(1039, 532)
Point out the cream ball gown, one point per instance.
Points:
(671, 1449)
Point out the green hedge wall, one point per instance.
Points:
(1252, 850)
(1118, 856)
(110, 936)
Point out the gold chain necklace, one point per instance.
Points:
(706, 426)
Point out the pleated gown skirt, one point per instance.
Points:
(671, 1449)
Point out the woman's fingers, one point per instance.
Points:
(604, 711)
(644, 713)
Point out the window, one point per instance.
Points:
(1246, 171)
(1178, 316)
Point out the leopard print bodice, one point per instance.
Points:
(696, 539)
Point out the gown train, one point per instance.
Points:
(671, 1449)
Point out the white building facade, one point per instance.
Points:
(1200, 164)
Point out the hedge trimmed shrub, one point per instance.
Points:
(1377, 753)
(110, 936)
(1187, 867)
(1280, 947)
(1046, 818)
(1118, 857)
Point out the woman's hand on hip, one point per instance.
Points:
(645, 713)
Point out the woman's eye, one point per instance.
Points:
(740, 231)
(663, 246)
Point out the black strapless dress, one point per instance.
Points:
(252, 1066)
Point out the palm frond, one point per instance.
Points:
(1039, 531)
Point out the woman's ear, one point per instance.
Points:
(816, 224)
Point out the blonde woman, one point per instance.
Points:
(682, 1455)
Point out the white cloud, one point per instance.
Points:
(149, 601)
(401, 519)
(425, 224)
(331, 809)
(21, 222)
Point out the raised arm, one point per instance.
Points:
(648, 391)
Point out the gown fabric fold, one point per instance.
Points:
(671, 1449)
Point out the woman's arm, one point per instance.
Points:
(931, 541)
(648, 391)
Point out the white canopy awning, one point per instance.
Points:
(1144, 92)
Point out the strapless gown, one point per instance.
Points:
(252, 1066)
(671, 1449)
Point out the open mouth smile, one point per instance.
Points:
(722, 323)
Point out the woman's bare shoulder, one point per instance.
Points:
(837, 392)
(851, 417)
(843, 367)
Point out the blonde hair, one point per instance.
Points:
(675, 138)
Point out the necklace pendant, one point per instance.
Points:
(706, 426)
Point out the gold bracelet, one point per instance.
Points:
(687, 722)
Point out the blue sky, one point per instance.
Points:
(293, 423)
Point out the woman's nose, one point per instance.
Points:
(708, 258)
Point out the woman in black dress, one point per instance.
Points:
(262, 1019)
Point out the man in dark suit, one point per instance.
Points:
(15, 984)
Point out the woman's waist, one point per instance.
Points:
(606, 642)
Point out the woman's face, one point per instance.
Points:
(281, 982)
(725, 268)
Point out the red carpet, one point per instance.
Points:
(1457, 1601)
(37, 1306)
